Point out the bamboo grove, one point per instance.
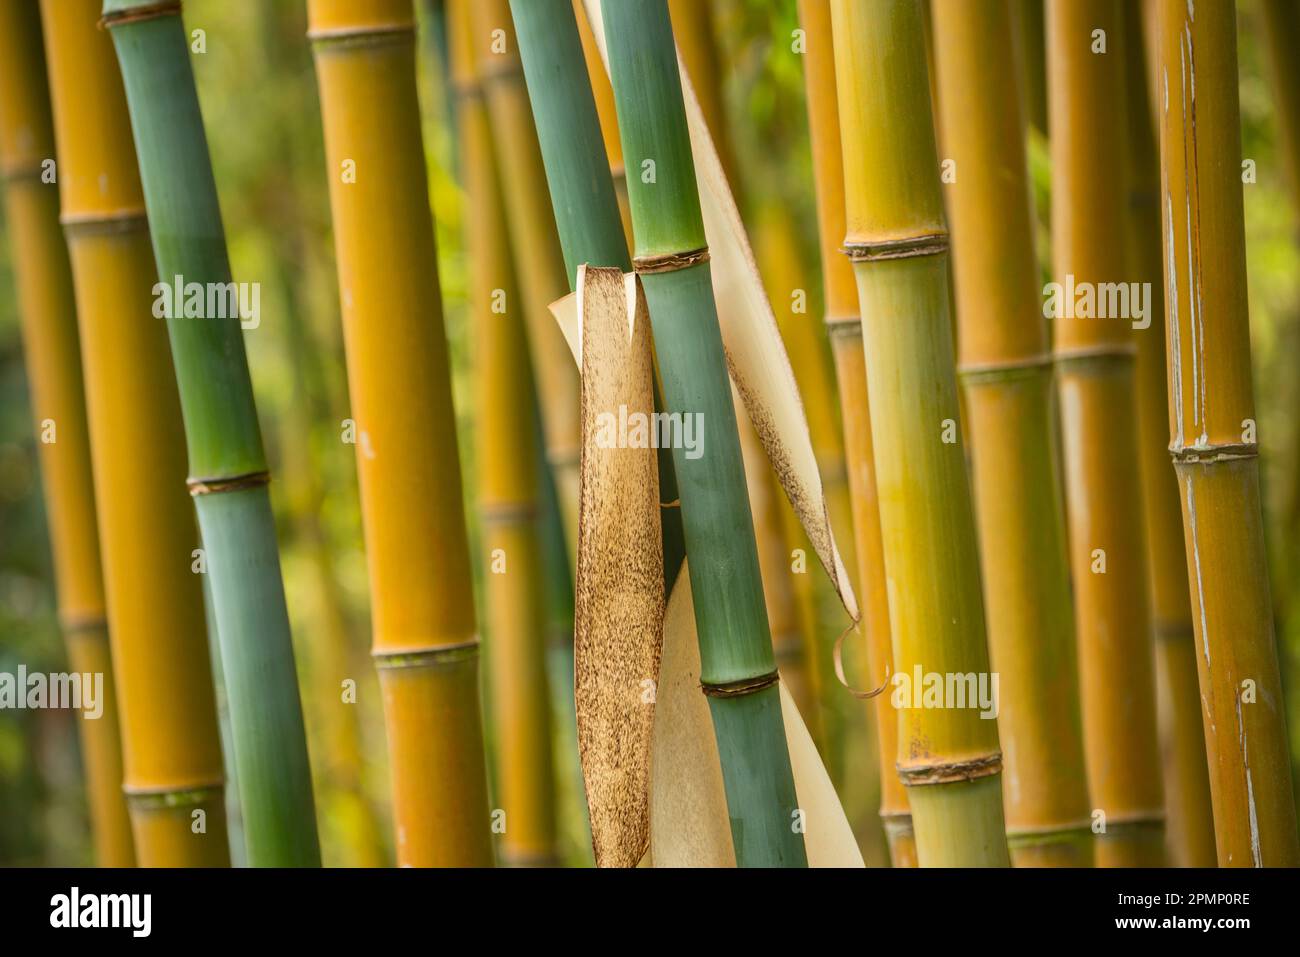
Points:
(770, 434)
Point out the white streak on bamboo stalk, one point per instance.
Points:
(1196, 563)
(1250, 789)
(1175, 350)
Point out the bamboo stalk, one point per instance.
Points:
(425, 646)
(50, 346)
(1213, 441)
(1189, 829)
(793, 601)
(1029, 19)
(1095, 360)
(603, 93)
(508, 482)
(173, 766)
(535, 251)
(227, 465)
(897, 239)
(1006, 371)
(844, 326)
(738, 669)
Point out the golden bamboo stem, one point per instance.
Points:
(844, 326)
(425, 642)
(508, 483)
(1007, 375)
(898, 240)
(1095, 359)
(52, 357)
(1189, 829)
(534, 246)
(1213, 440)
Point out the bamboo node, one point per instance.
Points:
(157, 798)
(669, 262)
(148, 11)
(371, 34)
(76, 624)
(99, 224)
(736, 689)
(440, 656)
(843, 325)
(506, 513)
(1025, 367)
(952, 772)
(932, 244)
(213, 486)
(1213, 452)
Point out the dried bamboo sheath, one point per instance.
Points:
(1007, 376)
(425, 643)
(1213, 441)
(844, 326)
(50, 347)
(227, 465)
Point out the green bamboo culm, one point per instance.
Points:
(227, 465)
(580, 181)
(737, 667)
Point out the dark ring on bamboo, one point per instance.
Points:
(17, 174)
(507, 512)
(510, 69)
(896, 823)
(157, 798)
(1097, 355)
(212, 486)
(1174, 631)
(675, 503)
(736, 689)
(1209, 454)
(563, 458)
(149, 11)
(669, 262)
(426, 657)
(97, 224)
(75, 624)
(788, 650)
(931, 244)
(618, 172)
(373, 35)
(1048, 834)
(843, 325)
(951, 772)
(1008, 370)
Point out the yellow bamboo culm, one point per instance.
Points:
(1095, 369)
(1006, 372)
(1213, 437)
(425, 643)
(1189, 829)
(898, 240)
(52, 356)
(174, 775)
(508, 484)
(844, 325)
(534, 245)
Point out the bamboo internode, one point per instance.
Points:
(1213, 437)
(422, 612)
(1095, 367)
(844, 326)
(227, 464)
(898, 240)
(53, 360)
(1007, 377)
(173, 760)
